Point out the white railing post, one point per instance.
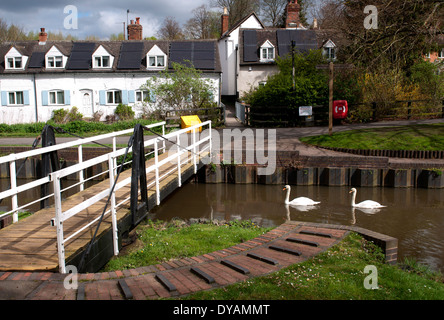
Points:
(113, 205)
(211, 142)
(194, 150)
(59, 223)
(81, 178)
(179, 169)
(14, 201)
(163, 135)
(114, 150)
(156, 164)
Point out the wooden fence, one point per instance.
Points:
(284, 116)
(216, 115)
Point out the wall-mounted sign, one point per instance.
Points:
(306, 111)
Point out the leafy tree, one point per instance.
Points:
(311, 85)
(183, 88)
(405, 30)
(429, 79)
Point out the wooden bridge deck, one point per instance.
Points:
(31, 244)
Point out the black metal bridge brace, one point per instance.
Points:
(50, 163)
(138, 179)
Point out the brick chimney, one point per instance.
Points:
(43, 36)
(224, 21)
(135, 30)
(292, 11)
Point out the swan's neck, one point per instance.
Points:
(353, 199)
(287, 198)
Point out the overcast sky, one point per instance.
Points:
(95, 17)
(99, 18)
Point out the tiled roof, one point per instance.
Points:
(27, 48)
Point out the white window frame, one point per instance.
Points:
(15, 94)
(113, 100)
(329, 53)
(52, 61)
(14, 63)
(441, 54)
(98, 62)
(267, 52)
(142, 96)
(156, 62)
(55, 95)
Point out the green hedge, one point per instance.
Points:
(76, 127)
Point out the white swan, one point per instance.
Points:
(301, 201)
(367, 204)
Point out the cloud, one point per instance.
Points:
(98, 18)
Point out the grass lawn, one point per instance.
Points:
(416, 137)
(159, 241)
(336, 274)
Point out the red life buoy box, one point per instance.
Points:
(340, 109)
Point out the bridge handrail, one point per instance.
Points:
(61, 216)
(69, 144)
(14, 190)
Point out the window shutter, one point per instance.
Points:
(124, 96)
(26, 97)
(131, 96)
(44, 98)
(4, 98)
(67, 97)
(102, 97)
(152, 97)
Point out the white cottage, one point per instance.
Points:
(248, 49)
(38, 77)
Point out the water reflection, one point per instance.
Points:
(414, 216)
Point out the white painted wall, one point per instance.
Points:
(229, 56)
(250, 76)
(75, 85)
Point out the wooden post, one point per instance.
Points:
(330, 100)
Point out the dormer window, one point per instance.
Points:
(267, 52)
(102, 59)
(15, 63)
(101, 62)
(54, 62)
(156, 58)
(14, 60)
(330, 53)
(55, 59)
(329, 50)
(156, 61)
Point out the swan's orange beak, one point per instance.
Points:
(350, 191)
(284, 189)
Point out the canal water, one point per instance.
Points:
(414, 216)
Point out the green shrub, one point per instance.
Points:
(59, 115)
(124, 112)
(74, 115)
(311, 85)
(64, 116)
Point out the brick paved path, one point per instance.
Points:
(285, 245)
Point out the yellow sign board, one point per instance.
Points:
(189, 121)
